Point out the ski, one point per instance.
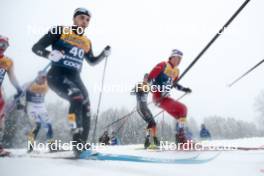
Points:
(204, 148)
(141, 159)
(98, 156)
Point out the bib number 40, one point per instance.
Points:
(77, 52)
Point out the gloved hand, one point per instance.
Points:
(187, 90)
(55, 55)
(19, 105)
(133, 92)
(107, 51)
(184, 89)
(19, 94)
(165, 94)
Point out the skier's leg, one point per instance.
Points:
(46, 123)
(66, 88)
(176, 110)
(49, 134)
(147, 116)
(86, 120)
(144, 112)
(32, 136)
(2, 117)
(86, 112)
(35, 121)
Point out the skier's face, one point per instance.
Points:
(145, 79)
(175, 60)
(3, 47)
(41, 80)
(81, 21)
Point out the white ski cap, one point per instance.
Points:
(176, 52)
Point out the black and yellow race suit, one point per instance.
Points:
(64, 75)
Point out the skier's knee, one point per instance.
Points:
(152, 124)
(36, 129)
(86, 107)
(76, 96)
(181, 110)
(49, 131)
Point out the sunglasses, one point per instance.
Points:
(85, 17)
(3, 45)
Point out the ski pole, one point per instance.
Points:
(213, 39)
(133, 111)
(99, 101)
(156, 115)
(123, 117)
(242, 76)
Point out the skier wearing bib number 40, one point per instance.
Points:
(69, 48)
(164, 77)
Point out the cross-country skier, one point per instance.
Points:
(6, 66)
(36, 109)
(204, 132)
(141, 91)
(163, 77)
(69, 48)
(114, 140)
(105, 139)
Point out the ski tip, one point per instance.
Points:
(87, 154)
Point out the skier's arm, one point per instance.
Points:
(156, 71)
(181, 88)
(13, 79)
(40, 47)
(93, 60)
(133, 91)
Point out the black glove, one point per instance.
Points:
(181, 88)
(107, 51)
(19, 94)
(20, 106)
(187, 90)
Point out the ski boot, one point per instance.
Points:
(79, 145)
(147, 139)
(156, 141)
(155, 144)
(53, 147)
(3, 153)
(181, 140)
(31, 139)
(147, 142)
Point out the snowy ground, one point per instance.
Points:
(239, 163)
